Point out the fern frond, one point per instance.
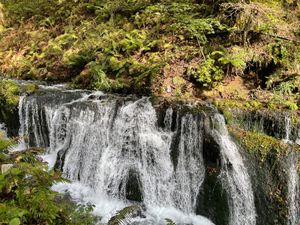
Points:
(124, 216)
(169, 221)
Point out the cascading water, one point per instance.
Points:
(119, 151)
(114, 147)
(298, 136)
(293, 182)
(293, 179)
(294, 192)
(288, 129)
(235, 176)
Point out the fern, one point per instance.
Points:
(101, 80)
(207, 73)
(169, 222)
(124, 216)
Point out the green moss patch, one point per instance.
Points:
(260, 144)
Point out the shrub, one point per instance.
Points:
(20, 10)
(9, 91)
(207, 73)
(26, 197)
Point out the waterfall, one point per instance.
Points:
(23, 131)
(110, 144)
(298, 136)
(235, 176)
(293, 179)
(113, 148)
(288, 129)
(294, 192)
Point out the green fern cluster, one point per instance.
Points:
(139, 46)
(26, 197)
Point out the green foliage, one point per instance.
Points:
(125, 45)
(101, 80)
(181, 18)
(228, 116)
(196, 28)
(46, 13)
(234, 61)
(253, 104)
(9, 93)
(207, 73)
(211, 71)
(286, 88)
(19, 10)
(26, 197)
(169, 222)
(4, 143)
(292, 106)
(124, 215)
(278, 51)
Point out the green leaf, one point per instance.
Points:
(15, 221)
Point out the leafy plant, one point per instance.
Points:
(207, 73)
(26, 197)
(233, 61)
(9, 91)
(124, 215)
(169, 222)
(196, 28)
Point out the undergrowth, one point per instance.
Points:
(141, 46)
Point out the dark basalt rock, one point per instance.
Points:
(271, 123)
(269, 181)
(10, 117)
(212, 200)
(133, 187)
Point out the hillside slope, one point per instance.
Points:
(246, 51)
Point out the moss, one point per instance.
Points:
(30, 88)
(4, 143)
(228, 104)
(260, 144)
(9, 92)
(228, 116)
(274, 104)
(270, 155)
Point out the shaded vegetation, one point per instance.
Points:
(171, 48)
(26, 197)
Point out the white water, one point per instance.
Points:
(298, 137)
(21, 145)
(107, 207)
(288, 129)
(293, 179)
(294, 192)
(235, 176)
(101, 144)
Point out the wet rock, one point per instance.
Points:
(133, 187)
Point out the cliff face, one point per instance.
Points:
(249, 174)
(272, 140)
